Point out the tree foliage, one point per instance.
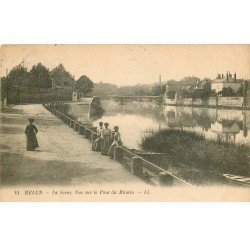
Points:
(61, 77)
(3, 87)
(83, 85)
(158, 89)
(240, 91)
(227, 92)
(104, 89)
(40, 77)
(190, 80)
(18, 76)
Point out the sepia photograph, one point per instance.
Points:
(125, 122)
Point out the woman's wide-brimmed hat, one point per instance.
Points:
(31, 119)
(106, 123)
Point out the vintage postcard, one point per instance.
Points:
(125, 123)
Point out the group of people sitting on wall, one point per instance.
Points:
(107, 139)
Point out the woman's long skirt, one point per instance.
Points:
(105, 146)
(31, 141)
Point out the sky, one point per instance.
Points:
(132, 64)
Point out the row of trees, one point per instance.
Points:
(41, 77)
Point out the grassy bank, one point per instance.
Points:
(192, 151)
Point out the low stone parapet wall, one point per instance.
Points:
(232, 102)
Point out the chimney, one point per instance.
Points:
(235, 77)
(222, 76)
(218, 77)
(227, 76)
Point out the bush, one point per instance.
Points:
(194, 150)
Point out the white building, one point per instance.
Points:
(225, 82)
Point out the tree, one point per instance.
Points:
(60, 76)
(240, 91)
(227, 92)
(84, 85)
(40, 77)
(3, 87)
(18, 77)
(157, 89)
(190, 80)
(103, 89)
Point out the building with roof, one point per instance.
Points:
(226, 81)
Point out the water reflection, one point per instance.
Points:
(136, 119)
(227, 125)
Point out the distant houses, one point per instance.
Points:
(226, 81)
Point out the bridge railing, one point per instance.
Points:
(136, 164)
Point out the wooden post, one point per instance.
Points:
(75, 126)
(165, 179)
(80, 130)
(137, 166)
(86, 133)
(118, 153)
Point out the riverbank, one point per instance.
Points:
(239, 103)
(196, 159)
(210, 107)
(63, 158)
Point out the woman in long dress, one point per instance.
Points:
(97, 144)
(106, 138)
(31, 140)
(116, 142)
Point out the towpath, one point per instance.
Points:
(63, 158)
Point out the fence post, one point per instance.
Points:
(165, 179)
(118, 153)
(86, 133)
(80, 130)
(75, 126)
(137, 167)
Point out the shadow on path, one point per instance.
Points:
(15, 171)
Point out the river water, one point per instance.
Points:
(136, 119)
